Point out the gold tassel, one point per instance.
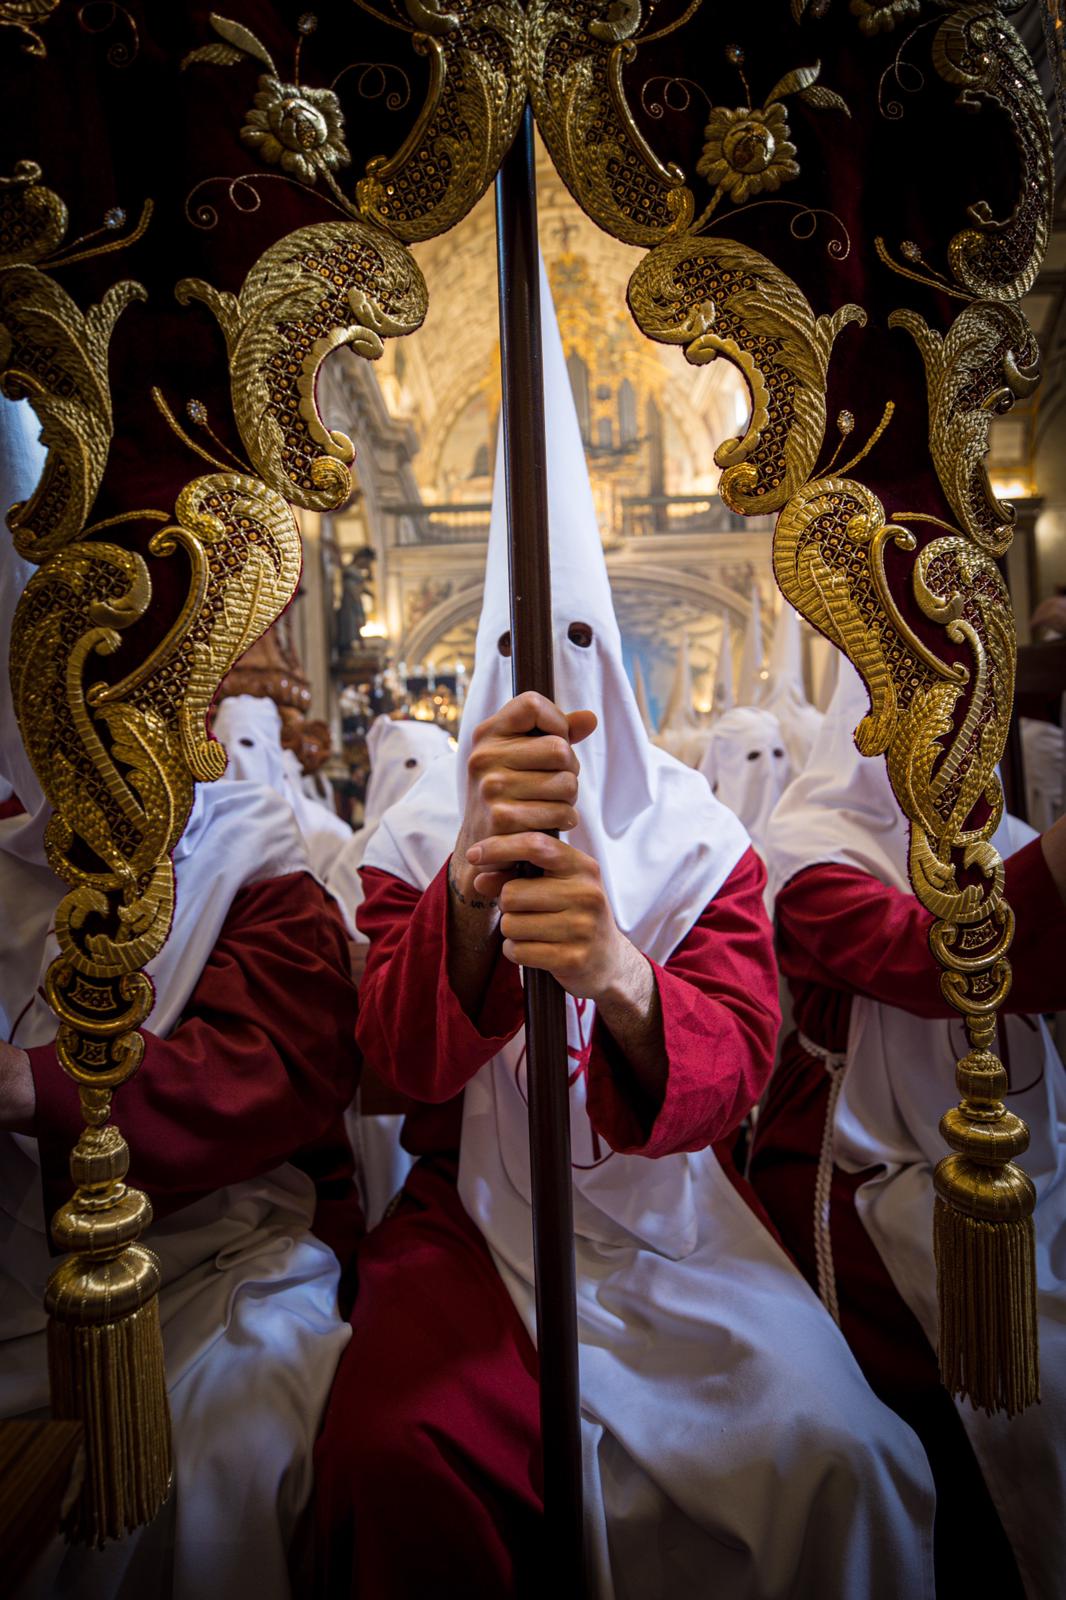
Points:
(105, 1347)
(985, 1247)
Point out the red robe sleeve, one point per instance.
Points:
(840, 929)
(258, 1071)
(718, 993)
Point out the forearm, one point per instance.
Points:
(631, 1011)
(473, 937)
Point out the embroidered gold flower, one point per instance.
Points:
(300, 130)
(747, 151)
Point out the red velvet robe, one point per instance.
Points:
(428, 1466)
(258, 1071)
(841, 932)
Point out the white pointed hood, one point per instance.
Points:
(750, 684)
(747, 766)
(249, 726)
(663, 843)
(841, 807)
(785, 695)
(400, 751)
(724, 697)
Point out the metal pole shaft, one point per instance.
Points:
(547, 1064)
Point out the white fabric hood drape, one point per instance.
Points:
(784, 692)
(249, 726)
(400, 751)
(747, 767)
(899, 1080)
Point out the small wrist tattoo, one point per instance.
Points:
(464, 900)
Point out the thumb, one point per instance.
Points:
(581, 724)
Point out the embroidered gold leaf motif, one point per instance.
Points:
(329, 284)
(986, 361)
(720, 298)
(576, 58)
(476, 95)
(56, 355)
(980, 51)
(118, 762)
(33, 220)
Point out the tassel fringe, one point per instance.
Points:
(110, 1377)
(986, 1288)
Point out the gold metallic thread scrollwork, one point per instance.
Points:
(577, 53)
(477, 91)
(322, 286)
(986, 361)
(976, 48)
(57, 356)
(718, 297)
(33, 219)
(118, 762)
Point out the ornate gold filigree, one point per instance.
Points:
(477, 91)
(329, 284)
(575, 84)
(987, 360)
(26, 16)
(720, 298)
(118, 762)
(57, 355)
(976, 48)
(33, 220)
(748, 149)
(291, 126)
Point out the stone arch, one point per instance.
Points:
(667, 581)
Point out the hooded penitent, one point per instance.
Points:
(784, 693)
(218, 1255)
(400, 752)
(682, 1295)
(898, 1081)
(250, 728)
(747, 766)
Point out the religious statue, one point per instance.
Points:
(351, 614)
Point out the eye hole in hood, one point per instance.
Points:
(580, 633)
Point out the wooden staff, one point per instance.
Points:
(532, 666)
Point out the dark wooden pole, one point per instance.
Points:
(547, 1064)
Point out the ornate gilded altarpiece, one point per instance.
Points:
(845, 200)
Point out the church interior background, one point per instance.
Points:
(391, 588)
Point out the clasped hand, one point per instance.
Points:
(522, 778)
